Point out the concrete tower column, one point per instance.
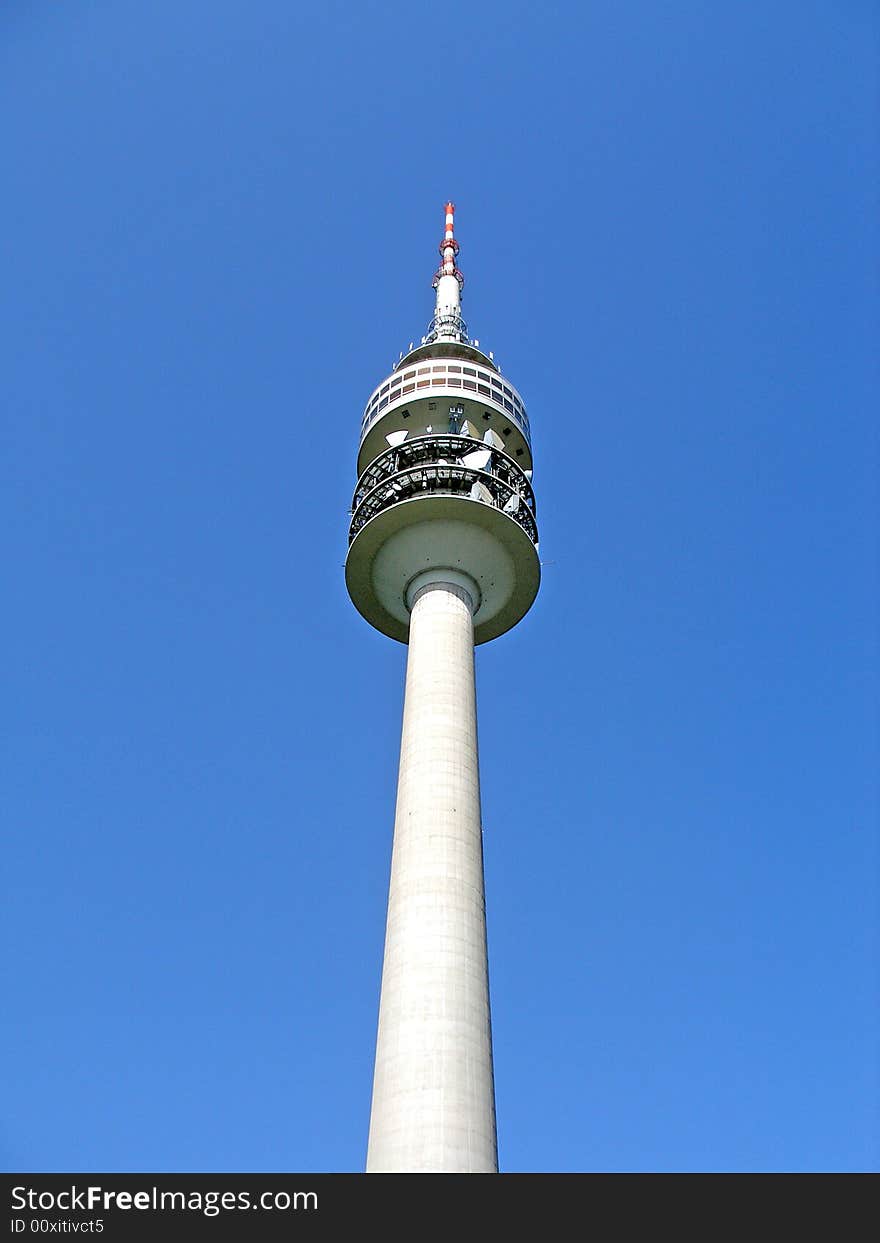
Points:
(433, 1094)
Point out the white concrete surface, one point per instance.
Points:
(436, 531)
(433, 1091)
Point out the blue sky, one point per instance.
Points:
(219, 226)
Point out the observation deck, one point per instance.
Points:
(419, 391)
(444, 465)
(443, 502)
(444, 479)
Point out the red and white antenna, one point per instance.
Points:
(448, 282)
(449, 250)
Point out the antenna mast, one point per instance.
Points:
(447, 324)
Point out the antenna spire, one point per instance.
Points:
(447, 324)
(449, 250)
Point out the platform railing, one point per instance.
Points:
(432, 465)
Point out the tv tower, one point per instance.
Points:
(443, 554)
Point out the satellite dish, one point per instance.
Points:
(512, 505)
(477, 460)
(493, 439)
(397, 438)
(479, 492)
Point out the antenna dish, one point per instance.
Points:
(477, 460)
(479, 492)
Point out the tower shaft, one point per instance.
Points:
(433, 1095)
